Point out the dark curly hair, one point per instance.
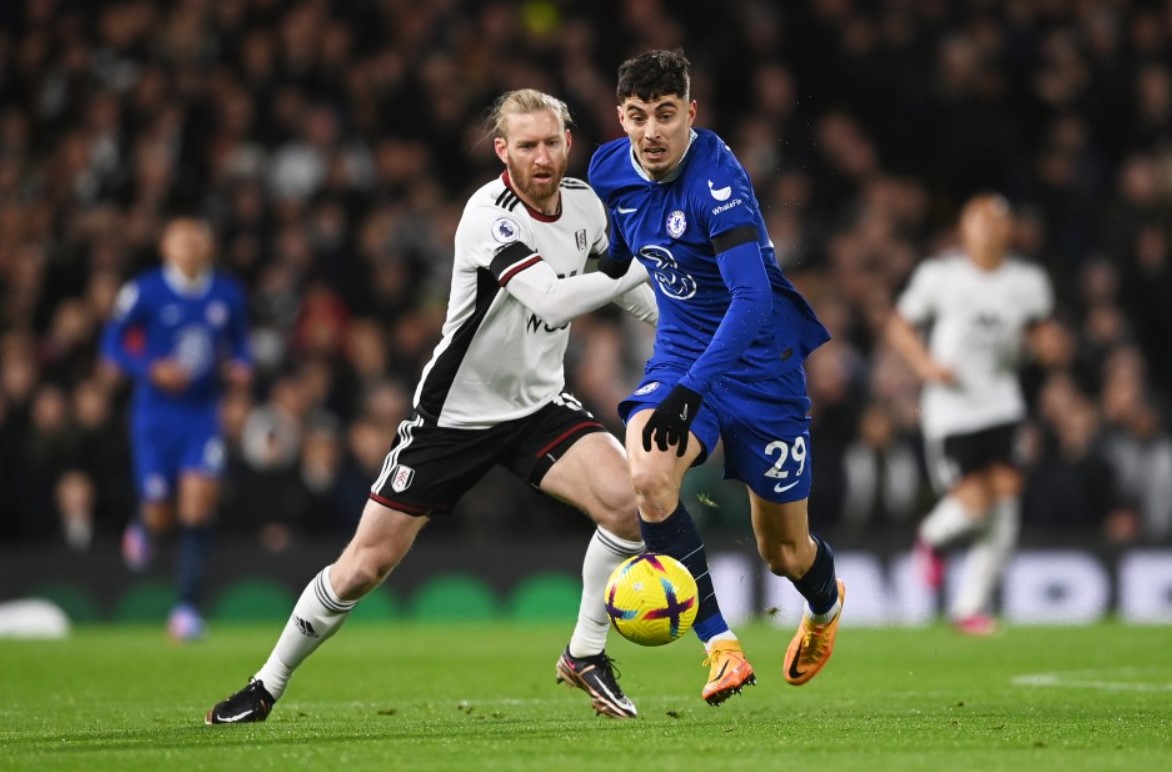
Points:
(654, 74)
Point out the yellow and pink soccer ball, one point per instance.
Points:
(651, 599)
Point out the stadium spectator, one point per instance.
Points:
(1073, 486)
(104, 454)
(882, 471)
(1139, 450)
(102, 128)
(50, 450)
(76, 498)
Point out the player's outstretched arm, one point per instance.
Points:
(614, 267)
(640, 301)
(558, 301)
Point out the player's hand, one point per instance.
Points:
(169, 375)
(670, 422)
(615, 269)
(934, 372)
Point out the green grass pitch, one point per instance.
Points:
(482, 697)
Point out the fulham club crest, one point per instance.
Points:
(402, 478)
(580, 237)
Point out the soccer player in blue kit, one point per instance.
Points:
(727, 364)
(179, 332)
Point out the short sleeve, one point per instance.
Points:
(129, 301)
(917, 303)
(1040, 303)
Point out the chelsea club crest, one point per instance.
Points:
(677, 223)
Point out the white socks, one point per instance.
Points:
(317, 615)
(986, 560)
(603, 555)
(727, 635)
(947, 522)
(827, 616)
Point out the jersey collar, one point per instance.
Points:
(182, 285)
(536, 215)
(676, 170)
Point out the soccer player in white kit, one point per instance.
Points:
(493, 393)
(979, 302)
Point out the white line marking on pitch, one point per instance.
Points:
(1075, 680)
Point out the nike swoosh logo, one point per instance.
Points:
(779, 488)
(624, 210)
(684, 413)
(234, 719)
(793, 666)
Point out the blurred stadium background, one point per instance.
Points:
(332, 145)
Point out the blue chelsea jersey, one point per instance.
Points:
(200, 327)
(679, 228)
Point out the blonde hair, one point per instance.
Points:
(523, 101)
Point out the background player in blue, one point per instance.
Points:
(179, 331)
(727, 365)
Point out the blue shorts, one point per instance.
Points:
(166, 445)
(765, 427)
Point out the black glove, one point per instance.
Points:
(670, 422)
(615, 269)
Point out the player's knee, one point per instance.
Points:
(650, 482)
(356, 581)
(974, 493)
(619, 514)
(157, 516)
(197, 500)
(196, 515)
(359, 572)
(1005, 481)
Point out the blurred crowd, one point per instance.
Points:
(332, 145)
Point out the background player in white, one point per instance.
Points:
(979, 301)
(492, 394)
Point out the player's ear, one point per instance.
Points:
(569, 140)
(501, 146)
(692, 108)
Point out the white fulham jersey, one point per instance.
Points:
(497, 360)
(977, 319)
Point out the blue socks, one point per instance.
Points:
(819, 586)
(195, 544)
(677, 536)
